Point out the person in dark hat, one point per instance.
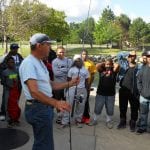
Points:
(143, 82)
(37, 88)
(144, 58)
(17, 59)
(13, 53)
(128, 92)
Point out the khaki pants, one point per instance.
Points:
(79, 107)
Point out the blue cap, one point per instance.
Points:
(14, 46)
(39, 38)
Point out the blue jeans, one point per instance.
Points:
(108, 101)
(144, 110)
(40, 117)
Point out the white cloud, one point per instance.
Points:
(117, 10)
(147, 19)
(134, 16)
(77, 10)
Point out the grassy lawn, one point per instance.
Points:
(72, 49)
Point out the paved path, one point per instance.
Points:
(90, 138)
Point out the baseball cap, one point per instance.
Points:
(14, 46)
(76, 56)
(40, 38)
(144, 53)
(147, 53)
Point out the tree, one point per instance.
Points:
(86, 31)
(138, 32)
(108, 15)
(22, 18)
(74, 33)
(106, 30)
(124, 22)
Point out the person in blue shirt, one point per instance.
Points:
(37, 88)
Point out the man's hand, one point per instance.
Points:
(63, 106)
(74, 82)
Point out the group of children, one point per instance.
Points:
(109, 72)
(85, 69)
(63, 69)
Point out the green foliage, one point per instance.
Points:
(86, 31)
(139, 32)
(107, 30)
(108, 15)
(82, 32)
(22, 18)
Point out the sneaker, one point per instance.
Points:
(62, 126)
(87, 120)
(122, 124)
(83, 119)
(2, 118)
(79, 125)
(132, 124)
(93, 123)
(109, 124)
(10, 124)
(140, 131)
(17, 123)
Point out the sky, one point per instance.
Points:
(77, 10)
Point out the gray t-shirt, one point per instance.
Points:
(33, 68)
(60, 69)
(82, 73)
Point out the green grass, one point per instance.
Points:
(71, 50)
(93, 51)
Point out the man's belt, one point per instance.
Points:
(31, 101)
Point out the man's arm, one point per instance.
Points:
(139, 81)
(100, 67)
(58, 86)
(41, 97)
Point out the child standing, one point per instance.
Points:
(60, 67)
(77, 93)
(12, 91)
(106, 91)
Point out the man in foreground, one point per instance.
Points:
(38, 92)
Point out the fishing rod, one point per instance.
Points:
(71, 114)
(74, 100)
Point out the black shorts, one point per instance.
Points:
(59, 94)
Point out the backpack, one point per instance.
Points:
(123, 62)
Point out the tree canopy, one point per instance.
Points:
(22, 18)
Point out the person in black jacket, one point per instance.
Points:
(143, 83)
(18, 60)
(12, 53)
(129, 92)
